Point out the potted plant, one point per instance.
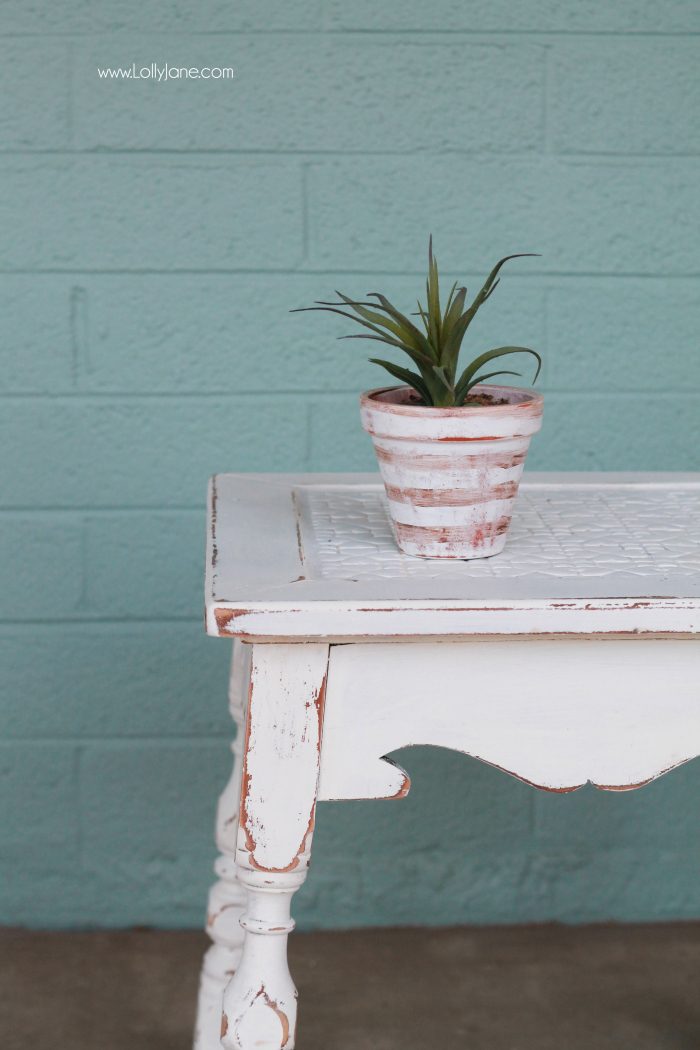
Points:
(451, 446)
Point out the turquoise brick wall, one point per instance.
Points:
(154, 238)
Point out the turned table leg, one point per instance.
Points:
(227, 896)
(276, 819)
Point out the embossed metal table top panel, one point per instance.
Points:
(286, 542)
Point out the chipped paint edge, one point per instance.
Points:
(328, 620)
(246, 822)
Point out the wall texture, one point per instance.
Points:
(154, 236)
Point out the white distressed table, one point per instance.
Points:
(571, 657)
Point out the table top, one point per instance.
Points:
(308, 556)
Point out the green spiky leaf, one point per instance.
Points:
(406, 376)
(468, 377)
(421, 341)
(436, 350)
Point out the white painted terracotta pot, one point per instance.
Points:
(451, 474)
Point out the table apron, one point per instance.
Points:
(555, 713)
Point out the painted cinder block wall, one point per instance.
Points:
(154, 238)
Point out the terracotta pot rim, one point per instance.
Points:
(522, 398)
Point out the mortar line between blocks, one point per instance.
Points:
(340, 272)
(67, 621)
(124, 743)
(545, 338)
(304, 213)
(144, 741)
(295, 394)
(78, 323)
(53, 510)
(70, 94)
(546, 101)
(80, 828)
(308, 435)
(272, 153)
(82, 602)
(344, 31)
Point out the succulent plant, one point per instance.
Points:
(435, 351)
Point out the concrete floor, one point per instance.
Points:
(505, 988)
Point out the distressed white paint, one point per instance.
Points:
(462, 619)
(276, 818)
(451, 474)
(260, 1002)
(388, 411)
(280, 770)
(556, 713)
(227, 896)
(312, 556)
